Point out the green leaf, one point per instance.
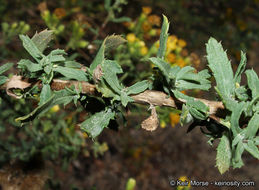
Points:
(241, 68)
(96, 123)
(252, 126)
(197, 108)
(3, 79)
(73, 64)
(238, 108)
(42, 39)
(5, 67)
(256, 140)
(237, 161)
(113, 41)
(99, 58)
(138, 87)
(110, 69)
(163, 38)
(223, 157)
(241, 93)
(125, 99)
(221, 68)
(31, 48)
(71, 73)
(45, 94)
(187, 79)
(253, 82)
(164, 67)
(30, 66)
(59, 97)
(252, 149)
(186, 117)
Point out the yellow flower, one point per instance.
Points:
(162, 124)
(181, 43)
(131, 37)
(143, 50)
(180, 62)
(172, 38)
(171, 57)
(146, 10)
(55, 108)
(184, 179)
(174, 118)
(154, 20)
(146, 26)
(171, 45)
(60, 12)
(85, 135)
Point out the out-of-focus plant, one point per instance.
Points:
(9, 31)
(131, 184)
(141, 45)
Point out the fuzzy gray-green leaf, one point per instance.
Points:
(163, 38)
(29, 65)
(45, 94)
(164, 67)
(5, 67)
(31, 48)
(253, 82)
(71, 73)
(138, 87)
(241, 68)
(42, 39)
(96, 123)
(221, 68)
(223, 157)
(252, 149)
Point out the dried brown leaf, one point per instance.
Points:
(16, 82)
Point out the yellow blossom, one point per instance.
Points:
(55, 109)
(131, 37)
(146, 26)
(171, 57)
(146, 10)
(172, 38)
(85, 135)
(174, 118)
(181, 43)
(143, 50)
(162, 124)
(60, 12)
(154, 20)
(171, 45)
(184, 179)
(180, 62)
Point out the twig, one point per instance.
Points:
(150, 97)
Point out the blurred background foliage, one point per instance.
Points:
(79, 27)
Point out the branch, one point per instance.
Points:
(151, 97)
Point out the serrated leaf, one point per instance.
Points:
(237, 161)
(73, 64)
(42, 39)
(29, 65)
(125, 99)
(163, 38)
(45, 94)
(110, 69)
(96, 123)
(138, 87)
(252, 82)
(164, 67)
(5, 67)
(3, 79)
(235, 115)
(31, 48)
(196, 107)
(252, 126)
(71, 73)
(223, 157)
(221, 68)
(252, 149)
(59, 97)
(186, 78)
(241, 67)
(99, 58)
(113, 41)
